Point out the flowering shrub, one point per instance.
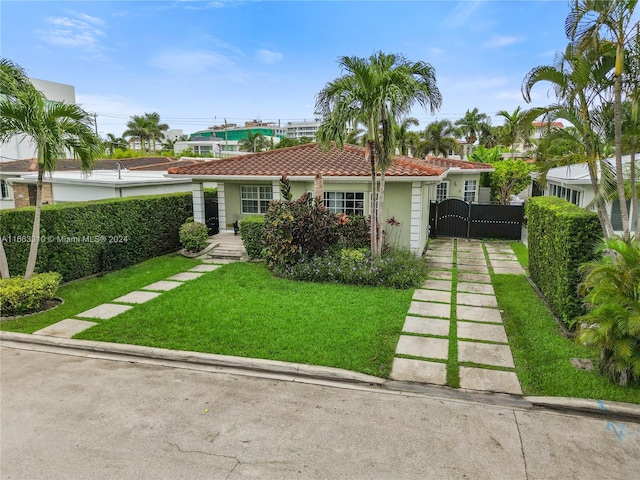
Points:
(395, 268)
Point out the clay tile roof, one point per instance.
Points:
(307, 160)
(461, 164)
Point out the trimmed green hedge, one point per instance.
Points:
(252, 232)
(81, 239)
(562, 236)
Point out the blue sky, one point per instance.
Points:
(197, 63)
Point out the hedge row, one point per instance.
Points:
(81, 239)
(562, 237)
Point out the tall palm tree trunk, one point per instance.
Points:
(617, 114)
(381, 213)
(634, 196)
(4, 265)
(35, 234)
(603, 215)
(369, 152)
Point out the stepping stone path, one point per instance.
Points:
(69, 327)
(483, 361)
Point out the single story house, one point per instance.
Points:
(109, 179)
(573, 183)
(247, 184)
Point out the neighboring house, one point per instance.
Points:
(109, 179)
(21, 147)
(247, 184)
(574, 185)
(304, 129)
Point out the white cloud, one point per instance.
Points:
(436, 51)
(268, 56)
(188, 61)
(78, 32)
(461, 13)
(501, 41)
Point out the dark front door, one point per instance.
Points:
(211, 215)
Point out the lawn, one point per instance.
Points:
(542, 355)
(82, 295)
(241, 310)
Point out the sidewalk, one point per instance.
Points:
(454, 334)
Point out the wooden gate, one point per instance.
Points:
(457, 218)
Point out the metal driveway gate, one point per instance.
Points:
(457, 218)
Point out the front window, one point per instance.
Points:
(256, 198)
(470, 189)
(442, 191)
(4, 189)
(349, 203)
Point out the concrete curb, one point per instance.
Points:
(603, 408)
(225, 361)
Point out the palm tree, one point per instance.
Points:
(13, 81)
(586, 23)
(255, 142)
(612, 291)
(138, 129)
(631, 82)
(112, 143)
(378, 90)
(402, 135)
(56, 129)
(517, 126)
(155, 128)
(472, 124)
(438, 138)
(579, 78)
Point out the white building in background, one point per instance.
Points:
(174, 134)
(298, 130)
(21, 148)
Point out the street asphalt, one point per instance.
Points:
(84, 411)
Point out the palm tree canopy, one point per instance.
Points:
(56, 128)
(377, 91)
(472, 124)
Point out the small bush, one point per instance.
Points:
(19, 296)
(194, 236)
(395, 268)
(251, 232)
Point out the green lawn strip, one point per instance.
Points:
(542, 355)
(486, 367)
(520, 249)
(453, 370)
(424, 359)
(242, 310)
(82, 295)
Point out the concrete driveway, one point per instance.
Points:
(69, 417)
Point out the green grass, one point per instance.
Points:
(541, 354)
(453, 368)
(82, 295)
(520, 249)
(242, 310)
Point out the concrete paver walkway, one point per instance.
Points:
(69, 327)
(454, 323)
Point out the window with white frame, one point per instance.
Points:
(255, 198)
(349, 203)
(470, 190)
(569, 194)
(442, 191)
(4, 189)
